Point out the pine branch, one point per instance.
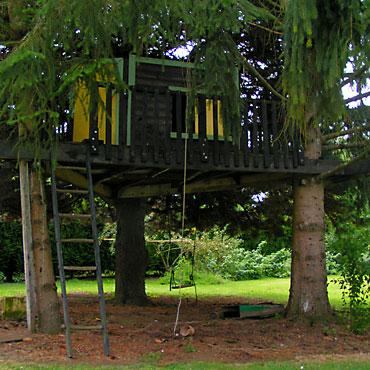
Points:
(354, 75)
(344, 146)
(265, 28)
(358, 97)
(264, 82)
(340, 167)
(343, 133)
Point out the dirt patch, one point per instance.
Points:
(146, 334)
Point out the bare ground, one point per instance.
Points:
(146, 334)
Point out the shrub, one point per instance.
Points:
(185, 269)
(353, 257)
(222, 255)
(11, 251)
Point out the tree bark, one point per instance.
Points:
(308, 290)
(131, 253)
(48, 309)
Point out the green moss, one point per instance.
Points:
(13, 308)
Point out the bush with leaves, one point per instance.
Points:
(11, 252)
(353, 248)
(220, 254)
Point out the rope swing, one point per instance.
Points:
(182, 238)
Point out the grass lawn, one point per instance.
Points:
(268, 289)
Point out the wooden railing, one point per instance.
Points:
(151, 127)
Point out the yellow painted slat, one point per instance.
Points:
(209, 118)
(81, 116)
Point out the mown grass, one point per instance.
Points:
(281, 365)
(268, 289)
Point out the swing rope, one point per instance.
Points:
(182, 236)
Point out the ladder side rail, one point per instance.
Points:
(60, 261)
(97, 257)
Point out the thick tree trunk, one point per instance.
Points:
(48, 309)
(131, 253)
(308, 290)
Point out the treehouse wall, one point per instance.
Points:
(144, 76)
(81, 126)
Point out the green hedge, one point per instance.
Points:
(76, 254)
(11, 252)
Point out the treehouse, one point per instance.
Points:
(139, 143)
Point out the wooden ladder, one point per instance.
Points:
(94, 241)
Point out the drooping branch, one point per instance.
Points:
(264, 82)
(343, 133)
(340, 167)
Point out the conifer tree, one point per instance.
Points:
(321, 38)
(75, 40)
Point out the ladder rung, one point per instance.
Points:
(80, 268)
(74, 215)
(77, 240)
(72, 191)
(86, 327)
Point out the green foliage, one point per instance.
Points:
(219, 256)
(223, 255)
(65, 42)
(185, 270)
(11, 252)
(320, 38)
(353, 257)
(82, 254)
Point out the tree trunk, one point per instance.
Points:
(308, 290)
(131, 253)
(48, 309)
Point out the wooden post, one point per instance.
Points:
(27, 244)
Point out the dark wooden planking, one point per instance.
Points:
(244, 138)
(179, 130)
(266, 136)
(160, 76)
(133, 127)
(156, 127)
(122, 113)
(94, 130)
(168, 128)
(202, 123)
(144, 129)
(191, 144)
(216, 144)
(255, 148)
(285, 143)
(122, 123)
(275, 137)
